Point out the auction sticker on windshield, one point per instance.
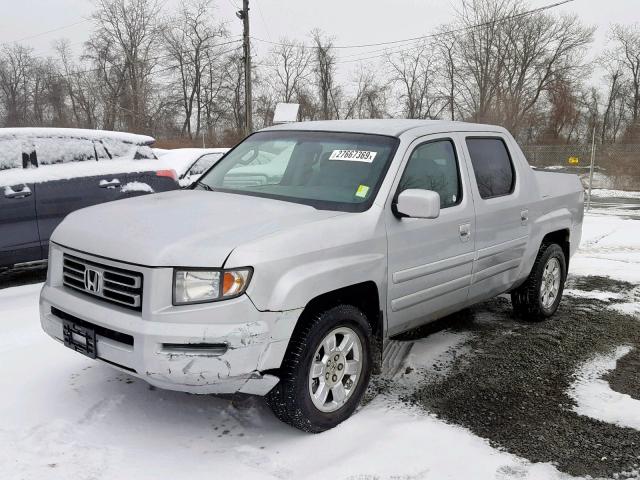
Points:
(353, 155)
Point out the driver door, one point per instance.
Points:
(430, 260)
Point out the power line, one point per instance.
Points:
(50, 31)
(431, 35)
(266, 27)
(151, 59)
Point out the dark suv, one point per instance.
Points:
(46, 173)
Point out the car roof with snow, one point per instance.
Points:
(189, 154)
(391, 127)
(22, 132)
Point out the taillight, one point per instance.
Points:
(167, 173)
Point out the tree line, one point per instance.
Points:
(180, 74)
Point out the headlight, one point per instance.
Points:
(198, 286)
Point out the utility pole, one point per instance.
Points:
(593, 161)
(246, 47)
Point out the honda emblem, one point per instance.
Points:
(91, 280)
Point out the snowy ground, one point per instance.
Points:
(65, 416)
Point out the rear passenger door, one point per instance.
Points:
(430, 260)
(501, 215)
(68, 172)
(19, 240)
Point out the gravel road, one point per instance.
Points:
(511, 387)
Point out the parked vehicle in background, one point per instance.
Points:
(46, 173)
(289, 286)
(191, 163)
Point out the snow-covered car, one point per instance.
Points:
(290, 286)
(191, 163)
(46, 173)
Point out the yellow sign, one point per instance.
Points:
(574, 160)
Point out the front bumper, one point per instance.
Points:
(255, 341)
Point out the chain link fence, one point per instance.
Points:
(617, 166)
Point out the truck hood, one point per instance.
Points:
(186, 228)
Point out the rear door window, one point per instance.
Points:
(492, 166)
(51, 151)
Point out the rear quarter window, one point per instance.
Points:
(492, 166)
(10, 154)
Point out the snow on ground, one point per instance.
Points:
(432, 356)
(611, 247)
(70, 417)
(66, 416)
(606, 193)
(594, 294)
(595, 398)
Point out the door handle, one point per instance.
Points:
(9, 192)
(109, 183)
(524, 217)
(465, 231)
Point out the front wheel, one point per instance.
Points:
(539, 297)
(325, 371)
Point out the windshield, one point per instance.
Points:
(327, 170)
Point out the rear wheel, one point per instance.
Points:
(325, 371)
(539, 297)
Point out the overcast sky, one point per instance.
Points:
(350, 21)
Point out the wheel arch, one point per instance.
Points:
(561, 237)
(364, 296)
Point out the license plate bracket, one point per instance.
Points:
(79, 338)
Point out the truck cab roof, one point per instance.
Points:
(390, 127)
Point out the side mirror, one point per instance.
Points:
(415, 203)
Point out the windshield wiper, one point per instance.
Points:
(204, 186)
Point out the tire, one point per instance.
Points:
(293, 399)
(529, 300)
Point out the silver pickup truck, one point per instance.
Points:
(290, 284)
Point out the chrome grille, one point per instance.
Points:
(111, 284)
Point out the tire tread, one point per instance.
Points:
(526, 298)
(283, 399)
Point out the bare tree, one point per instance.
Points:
(15, 63)
(324, 67)
(123, 47)
(189, 37)
(562, 112)
(233, 88)
(627, 49)
(370, 98)
(481, 54)
(541, 49)
(509, 58)
(445, 45)
(614, 107)
(413, 73)
(290, 68)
